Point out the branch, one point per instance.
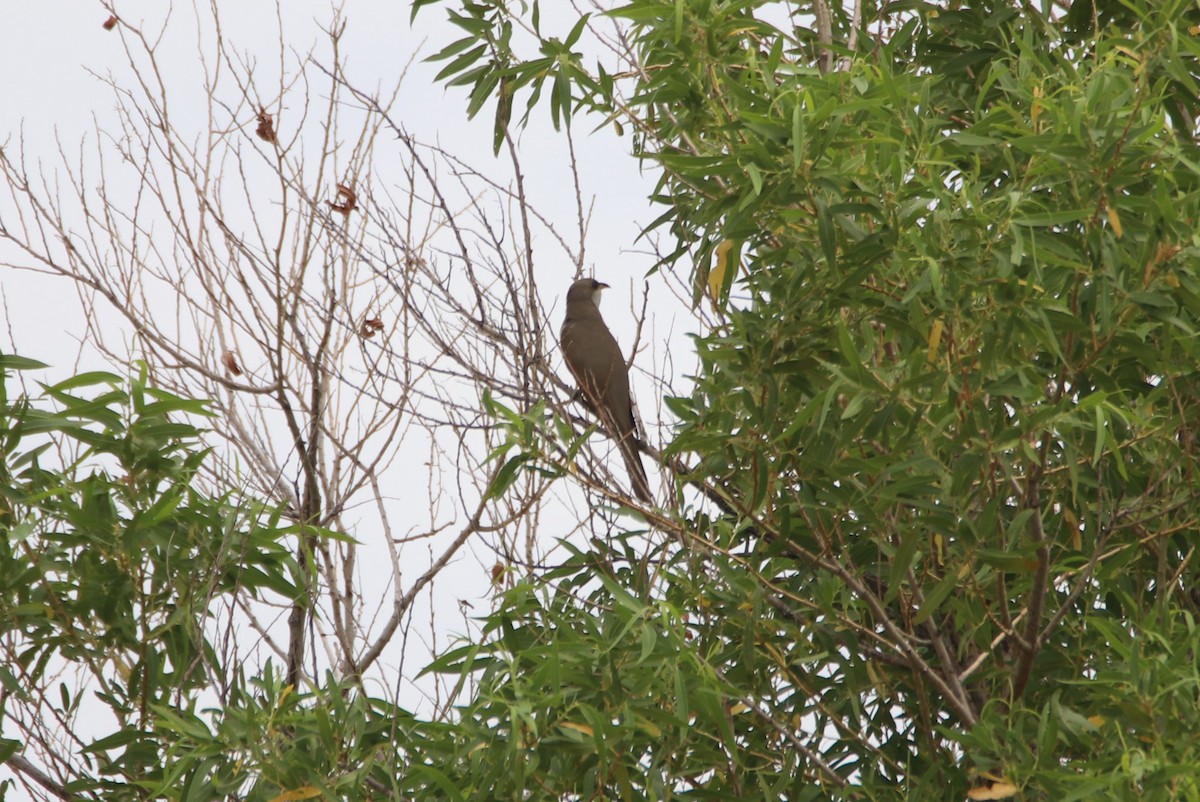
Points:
(1037, 600)
(23, 766)
(824, 35)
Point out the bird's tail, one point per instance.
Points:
(637, 472)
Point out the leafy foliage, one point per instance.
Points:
(943, 443)
(112, 562)
(949, 417)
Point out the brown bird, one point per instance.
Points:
(600, 371)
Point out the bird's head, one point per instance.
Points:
(586, 289)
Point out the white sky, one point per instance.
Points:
(46, 90)
(48, 48)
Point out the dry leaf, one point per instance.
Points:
(370, 327)
(266, 126)
(993, 789)
(230, 361)
(111, 22)
(1162, 254)
(716, 276)
(305, 792)
(345, 201)
(1165, 251)
(935, 339)
(1114, 220)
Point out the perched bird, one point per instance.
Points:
(595, 360)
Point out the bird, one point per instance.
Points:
(595, 360)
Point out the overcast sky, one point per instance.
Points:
(50, 96)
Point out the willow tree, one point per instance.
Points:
(933, 534)
(938, 515)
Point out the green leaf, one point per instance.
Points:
(89, 379)
(939, 594)
(14, 362)
(902, 562)
(439, 779)
(122, 737)
(1052, 218)
(8, 746)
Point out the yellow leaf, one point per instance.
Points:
(1096, 721)
(935, 339)
(1000, 789)
(122, 666)
(581, 728)
(648, 727)
(1114, 220)
(1130, 52)
(304, 792)
(1072, 522)
(716, 276)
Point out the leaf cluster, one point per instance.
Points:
(114, 561)
(951, 406)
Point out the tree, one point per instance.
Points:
(942, 435)
(117, 567)
(360, 311)
(934, 528)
